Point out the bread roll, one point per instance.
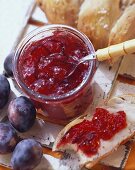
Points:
(96, 19)
(61, 11)
(124, 28)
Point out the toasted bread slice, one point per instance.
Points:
(124, 103)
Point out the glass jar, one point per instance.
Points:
(70, 104)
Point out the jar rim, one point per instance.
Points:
(25, 42)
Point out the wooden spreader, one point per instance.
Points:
(113, 52)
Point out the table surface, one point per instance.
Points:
(22, 16)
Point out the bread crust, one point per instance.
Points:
(126, 3)
(61, 11)
(129, 98)
(96, 19)
(124, 27)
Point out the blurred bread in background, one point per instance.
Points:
(124, 27)
(61, 11)
(96, 19)
(105, 22)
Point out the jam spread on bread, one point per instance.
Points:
(87, 135)
(44, 64)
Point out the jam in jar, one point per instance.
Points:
(42, 63)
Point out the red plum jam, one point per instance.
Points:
(42, 63)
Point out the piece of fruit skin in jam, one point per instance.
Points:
(45, 63)
(87, 134)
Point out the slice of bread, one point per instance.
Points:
(124, 103)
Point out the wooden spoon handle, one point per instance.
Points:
(115, 51)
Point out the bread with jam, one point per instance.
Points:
(94, 137)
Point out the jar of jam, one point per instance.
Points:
(42, 63)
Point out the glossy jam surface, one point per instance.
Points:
(44, 64)
(87, 134)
